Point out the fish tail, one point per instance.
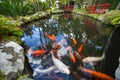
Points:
(80, 49)
(72, 57)
(58, 55)
(98, 75)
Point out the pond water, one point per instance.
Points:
(69, 31)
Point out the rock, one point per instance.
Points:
(12, 60)
(100, 18)
(117, 72)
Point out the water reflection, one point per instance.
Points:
(70, 32)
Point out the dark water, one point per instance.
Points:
(64, 27)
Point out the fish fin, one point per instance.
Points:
(68, 66)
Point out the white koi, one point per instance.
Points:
(93, 59)
(48, 70)
(60, 65)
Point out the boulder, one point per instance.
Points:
(11, 60)
(117, 72)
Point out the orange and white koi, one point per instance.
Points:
(51, 37)
(96, 74)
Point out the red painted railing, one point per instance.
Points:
(97, 9)
(68, 8)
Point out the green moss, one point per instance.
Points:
(11, 33)
(115, 20)
(22, 77)
(2, 76)
(2, 20)
(109, 16)
(95, 16)
(9, 30)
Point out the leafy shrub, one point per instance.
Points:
(37, 5)
(14, 7)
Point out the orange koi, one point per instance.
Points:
(80, 49)
(78, 56)
(72, 57)
(74, 41)
(38, 52)
(51, 37)
(56, 46)
(96, 74)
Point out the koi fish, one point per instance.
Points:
(44, 71)
(76, 75)
(58, 55)
(80, 49)
(56, 46)
(77, 55)
(51, 37)
(74, 41)
(38, 52)
(60, 65)
(96, 74)
(72, 57)
(93, 59)
(56, 51)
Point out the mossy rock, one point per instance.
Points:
(11, 33)
(109, 16)
(105, 31)
(115, 20)
(8, 30)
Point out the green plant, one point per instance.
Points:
(14, 7)
(107, 17)
(21, 77)
(115, 20)
(9, 30)
(37, 5)
(2, 76)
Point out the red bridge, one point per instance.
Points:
(98, 9)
